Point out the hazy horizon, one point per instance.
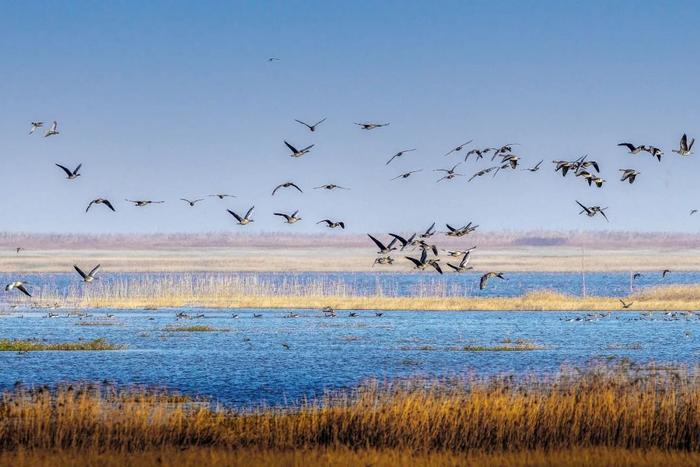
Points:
(188, 105)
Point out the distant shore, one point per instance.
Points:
(347, 259)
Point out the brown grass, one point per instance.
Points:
(233, 291)
(620, 407)
(342, 457)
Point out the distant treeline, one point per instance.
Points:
(503, 239)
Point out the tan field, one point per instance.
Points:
(348, 259)
(601, 415)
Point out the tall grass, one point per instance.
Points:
(258, 291)
(614, 407)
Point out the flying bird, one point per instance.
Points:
(424, 262)
(636, 275)
(399, 154)
(53, 130)
(100, 201)
(298, 152)
(629, 174)
(191, 202)
(19, 285)
(330, 186)
(407, 174)
(632, 148)
(481, 173)
(462, 266)
(449, 173)
(70, 175)
(430, 231)
(311, 127)
(245, 220)
(693, 211)
(535, 168)
(593, 210)
(685, 148)
(35, 126)
(665, 272)
(383, 260)
(221, 196)
(89, 277)
(371, 126)
(289, 218)
(404, 241)
(485, 278)
(626, 305)
(286, 185)
(459, 148)
(332, 224)
(139, 203)
(384, 250)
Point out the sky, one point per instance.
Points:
(164, 100)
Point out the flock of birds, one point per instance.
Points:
(427, 254)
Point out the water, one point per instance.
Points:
(615, 284)
(248, 364)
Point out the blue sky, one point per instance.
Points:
(176, 99)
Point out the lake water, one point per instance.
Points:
(248, 363)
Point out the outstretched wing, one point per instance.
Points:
(247, 214)
(295, 186)
(80, 271)
(238, 218)
(109, 205)
(89, 206)
(416, 262)
(379, 244)
(94, 270)
(21, 288)
(291, 148)
(65, 169)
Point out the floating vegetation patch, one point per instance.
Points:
(17, 345)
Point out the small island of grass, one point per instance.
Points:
(20, 345)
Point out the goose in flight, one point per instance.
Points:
(459, 148)
(19, 249)
(311, 127)
(509, 159)
(19, 285)
(403, 241)
(384, 250)
(330, 186)
(693, 211)
(425, 246)
(685, 148)
(503, 150)
(298, 152)
(593, 210)
(191, 202)
(273, 59)
(139, 203)
(399, 154)
(479, 153)
(289, 218)
(430, 231)
(100, 201)
(221, 196)
(407, 174)
(485, 278)
(462, 266)
(655, 152)
(636, 275)
(35, 126)
(424, 262)
(285, 185)
(584, 163)
(535, 168)
(462, 231)
(371, 126)
(665, 272)
(53, 130)
(481, 173)
(629, 174)
(632, 148)
(457, 253)
(245, 220)
(449, 173)
(626, 305)
(332, 224)
(383, 260)
(89, 277)
(70, 175)
(564, 166)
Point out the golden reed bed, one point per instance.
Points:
(603, 415)
(235, 291)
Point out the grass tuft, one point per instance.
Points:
(16, 345)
